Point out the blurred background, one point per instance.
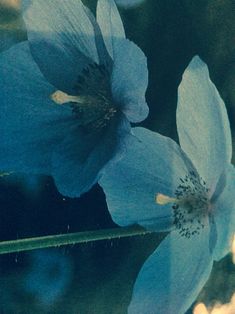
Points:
(97, 278)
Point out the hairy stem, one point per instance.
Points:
(28, 244)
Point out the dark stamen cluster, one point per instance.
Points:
(96, 107)
(191, 207)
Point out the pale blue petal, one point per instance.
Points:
(104, 57)
(62, 39)
(173, 275)
(110, 24)
(78, 161)
(31, 125)
(130, 80)
(151, 164)
(224, 213)
(202, 122)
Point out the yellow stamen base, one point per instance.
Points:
(162, 199)
(61, 98)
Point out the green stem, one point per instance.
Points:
(69, 238)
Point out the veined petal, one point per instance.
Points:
(152, 164)
(31, 125)
(202, 122)
(79, 160)
(130, 80)
(224, 213)
(173, 275)
(110, 24)
(62, 39)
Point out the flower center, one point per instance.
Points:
(191, 204)
(93, 105)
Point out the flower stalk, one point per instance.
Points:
(28, 244)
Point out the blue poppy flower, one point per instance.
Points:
(69, 93)
(188, 190)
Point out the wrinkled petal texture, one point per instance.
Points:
(62, 39)
(110, 24)
(80, 158)
(31, 125)
(130, 80)
(173, 275)
(202, 122)
(224, 213)
(151, 164)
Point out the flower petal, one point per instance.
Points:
(225, 216)
(202, 122)
(151, 164)
(173, 275)
(110, 23)
(130, 80)
(31, 125)
(78, 161)
(62, 39)
(104, 56)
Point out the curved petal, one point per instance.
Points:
(130, 80)
(224, 213)
(104, 57)
(78, 161)
(31, 125)
(202, 122)
(151, 164)
(173, 275)
(110, 24)
(62, 39)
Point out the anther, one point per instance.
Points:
(61, 98)
(162, 199)
(191, 204)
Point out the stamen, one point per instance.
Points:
(61, 98)
(162, 199)
(92, 102)
(191, 205)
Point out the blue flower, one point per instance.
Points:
(188, 190)
(69, 93)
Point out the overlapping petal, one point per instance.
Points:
(202, 122)
(31, 125)
(110, 24)
(62, 39)
(78, 160)
(152, 164)
(224, 213)
(173, 275)
(130, 80)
